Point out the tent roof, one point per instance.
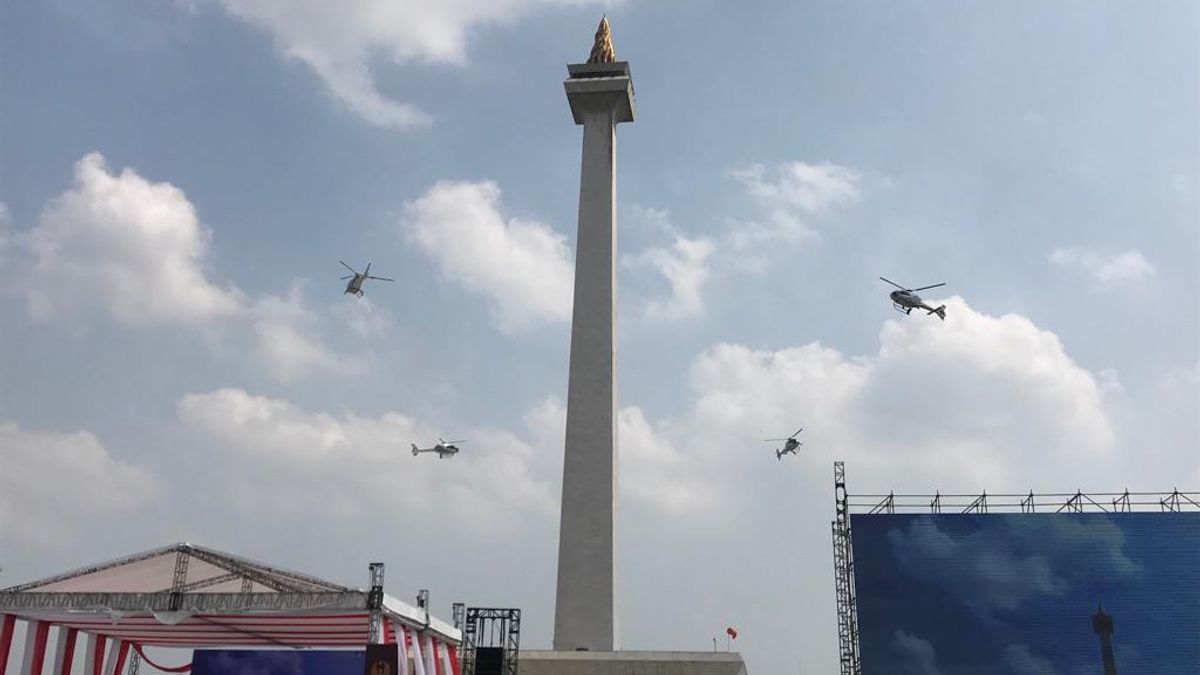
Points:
(198, 569)
(186, 595)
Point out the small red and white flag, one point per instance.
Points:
(731, 632)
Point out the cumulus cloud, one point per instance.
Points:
(354, 465)
(685, 266)
(912, 655)
(652, 468)
(340, 41)
(788, 195)
(973, 402)
(53, 483)
(5, 225)
(126, 244)
(1105, 268)
(522, 267)
(997, 569)
(288, 342)
(135, 250)
(1022, 661)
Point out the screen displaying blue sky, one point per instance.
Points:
(279, 662)
(1015, 594)
(179, 179)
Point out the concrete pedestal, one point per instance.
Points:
(631, 663)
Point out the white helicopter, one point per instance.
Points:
(790, 444)
(906, 300)
(443, 449)
(357, 279)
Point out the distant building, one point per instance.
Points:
(1102, 624)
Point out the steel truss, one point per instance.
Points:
(492, 627)
(1049, 502)
(843, 576)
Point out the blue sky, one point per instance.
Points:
(179, 180)
(1016, 593)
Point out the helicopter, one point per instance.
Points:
(443, 449)
(789, 444)
(357, 279)
(906, 300)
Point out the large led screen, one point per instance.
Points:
(1026, 594)
(276, 662)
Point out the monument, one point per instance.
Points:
(600, 93)
(601, 96)
(1102, 625)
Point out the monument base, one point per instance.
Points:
(630, 663)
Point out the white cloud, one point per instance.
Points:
(52, 484)
(288, 343)
(352, 465)
(5, 226)
(976, 401)
(912, 655)
(1022, 661)
(685, 266)
(135, 250)
(126, 244)
(1106, 268)
(652, 469)
(340, 40)
(999, 569)
(788, 195)
(522, 267)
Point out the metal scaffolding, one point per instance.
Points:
(488, 627)
(843, 575)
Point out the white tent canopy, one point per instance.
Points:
(187, 596)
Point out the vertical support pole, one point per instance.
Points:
(38, 633)
(401, 632)
(375, 604)
(418, 661)
(64, 651)
(93, 654)
(116, 658)
(8, 626)
(430, 657)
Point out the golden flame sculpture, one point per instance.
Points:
(602, 49)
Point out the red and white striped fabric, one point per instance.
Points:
(234, 630)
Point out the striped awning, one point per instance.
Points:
(222, 630)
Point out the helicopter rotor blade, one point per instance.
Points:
(348, 267)
(894, 284)
(380, 278)
(797, 432)
(928, 287)
(773, 440)
(349, 276)
(452, 442)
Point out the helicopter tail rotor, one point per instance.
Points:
(940, 311)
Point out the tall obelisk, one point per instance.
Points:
(601, 96)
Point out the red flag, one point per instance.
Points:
(731, 632)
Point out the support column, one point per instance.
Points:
(585, 617)
(36, 636)
(93, 654)
(8, 625)
(64, 652)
